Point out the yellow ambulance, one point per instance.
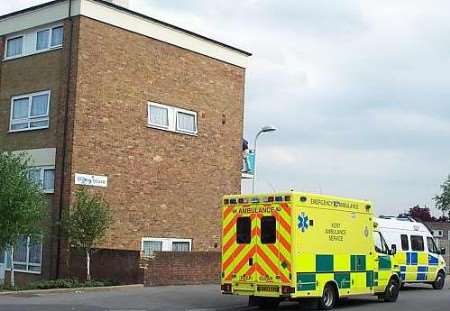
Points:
(292, 246)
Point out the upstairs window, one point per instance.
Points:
(172, 118)
(34, 41)
(14, 47)
(49, 38)
(44, 177)
(30, 112)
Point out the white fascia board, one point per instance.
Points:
(39, 17)
(126, 20)
(39, 157)
(153, 29)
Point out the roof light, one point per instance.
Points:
(303, 199)
(233, 201)
(287, 198)
(226, 202)
(278, 199)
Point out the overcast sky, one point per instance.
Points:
(359, 91)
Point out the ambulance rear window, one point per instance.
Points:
(268, 230)
(405, 242)
(243, 230)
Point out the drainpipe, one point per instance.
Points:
(64, 143)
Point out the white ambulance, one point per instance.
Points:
(418, 257)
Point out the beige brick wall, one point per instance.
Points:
(160, 184)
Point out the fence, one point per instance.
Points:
(445, 244)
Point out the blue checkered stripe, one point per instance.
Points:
(412, 258)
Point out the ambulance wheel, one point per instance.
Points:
(329, 298)
(392, 291)
(440, 281)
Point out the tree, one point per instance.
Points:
(443, 200)
(23, 206)
(419, 213)
(86, 223)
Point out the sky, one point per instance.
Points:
(359, 91)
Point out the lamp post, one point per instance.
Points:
(264, 129)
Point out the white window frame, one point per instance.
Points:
(26, 263)
(166, 243)
(6, 46)
(172, 117)
(29, 119)
(50, 38)
(42, 170)
(29, 42)
(438, 233)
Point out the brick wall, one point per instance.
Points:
(160, 184)
(119, 266)
(178, 268)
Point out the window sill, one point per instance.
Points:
(28, 129)
(5, 59)
(172, 131)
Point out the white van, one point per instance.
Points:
(418, 258)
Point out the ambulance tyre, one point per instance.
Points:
(392, 291)
(440, 281)
(329, 297)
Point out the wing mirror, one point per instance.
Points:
(442, 251)
(393, 250)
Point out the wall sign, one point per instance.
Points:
(91, 180)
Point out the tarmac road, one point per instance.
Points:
(206, 298)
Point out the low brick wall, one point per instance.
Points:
(181, 268)
(119, 266)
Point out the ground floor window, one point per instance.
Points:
(151, 245)
(27, 255)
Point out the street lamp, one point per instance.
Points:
(264, 129)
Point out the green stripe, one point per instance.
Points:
(306, 281)
(358, 263)
(342, 279)
(325, 263)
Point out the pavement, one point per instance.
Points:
(204, 298)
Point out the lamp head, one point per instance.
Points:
(268, 128)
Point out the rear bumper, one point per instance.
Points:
(258, 289)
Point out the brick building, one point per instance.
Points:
(150, 113)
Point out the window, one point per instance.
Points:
(380, 243)
(417, 243)
(151, 245)
(34, 41)
(186, 122)
(268, 230)
(448, 235)
(30, 111)
(159, 116)
(172, 119)
(49, 38)
(27, 255)
(44, 177)
(438, 233)
(243, 230)
(432, 248)
(405, 242)
(14, 46)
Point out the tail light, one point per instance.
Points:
(286, 290)
(226, 288)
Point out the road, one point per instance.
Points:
(205, 298)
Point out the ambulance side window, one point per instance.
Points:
(380, 244)
(405, 242)
(243, 230)
(432, 248)
(417, 243)
(268, 230)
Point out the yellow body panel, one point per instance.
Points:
(319, 239)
